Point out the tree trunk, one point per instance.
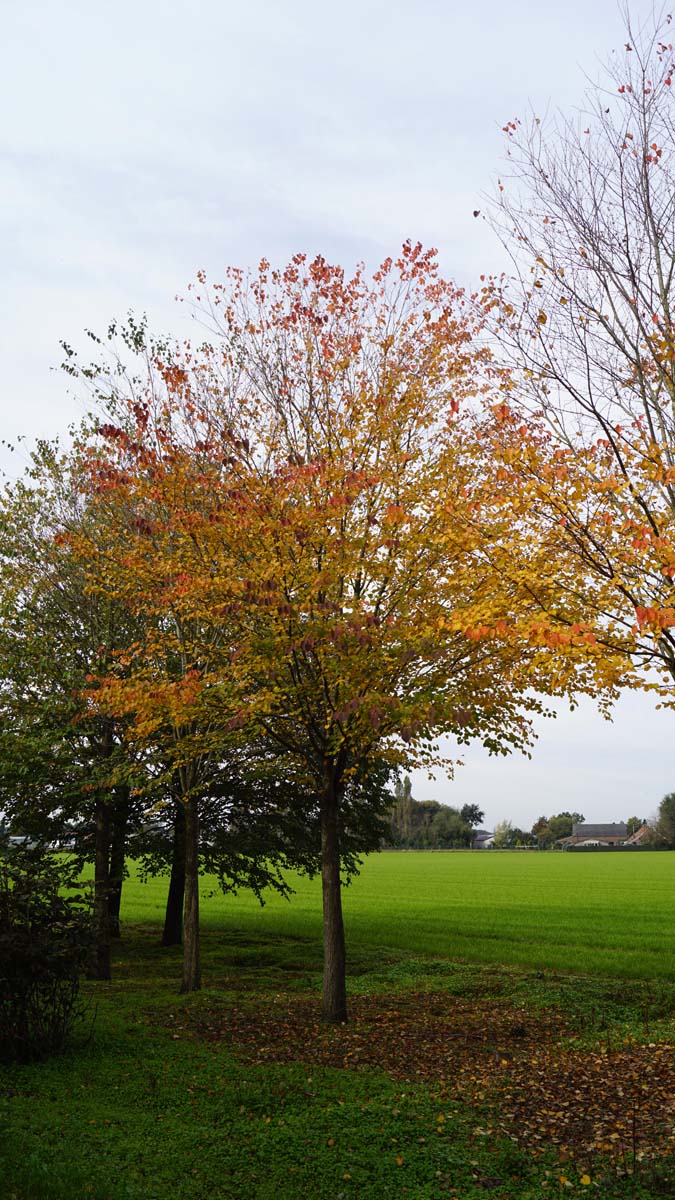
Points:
(173, 919)
(334, 1001)
(118, 842)
(101, 965)
(191, 966)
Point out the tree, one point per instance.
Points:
(665, 825)
(540, 832)
(426, 824)
(548, 830)
(503, 835)
(46, 938)
(402, 811)
(60, 761)
(634, 823)
(156, 684)
(560, 826)
(306, 507)
(449, 830)
(586, 324)
(471, 814)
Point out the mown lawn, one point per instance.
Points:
(605, 914)
(512, 1036)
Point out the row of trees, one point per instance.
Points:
(276, 566)
(266, 580)
(263, 582)
(426, 824)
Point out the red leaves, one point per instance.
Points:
(649, 617)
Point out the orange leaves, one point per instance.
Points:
(394, 514)
(477, 633)
(502, 412)
(650, 618)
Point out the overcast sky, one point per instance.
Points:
(143, 141)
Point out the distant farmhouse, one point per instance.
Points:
(604, 835)
(482, 839)
(582, 835)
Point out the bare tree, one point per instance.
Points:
(587, 327)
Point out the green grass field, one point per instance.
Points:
(603, 914)
(513, 1021)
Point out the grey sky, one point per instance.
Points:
(143, 141)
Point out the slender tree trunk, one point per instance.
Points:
(191, 965)
(101, 965)
(118, 842)
(173, 919)
(334, 1001)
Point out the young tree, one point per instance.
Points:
(170, 559)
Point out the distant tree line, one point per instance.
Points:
(428, 825)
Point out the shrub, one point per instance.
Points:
(46, 939)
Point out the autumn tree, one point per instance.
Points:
(175, 559)
(375, 617)
(376, 620)
(587, 209)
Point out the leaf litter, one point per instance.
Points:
(523, 1068)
